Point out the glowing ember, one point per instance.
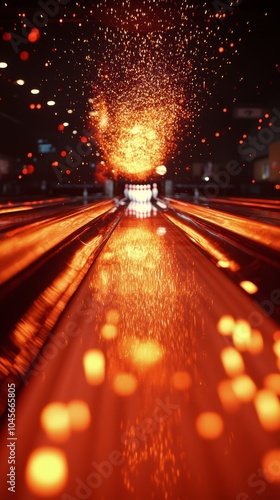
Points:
(137, 129)
(147, 85)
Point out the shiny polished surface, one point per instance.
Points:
(154, 382)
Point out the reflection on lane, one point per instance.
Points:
(256, 231)
(263, 210)
(176, 392)
(22, 247)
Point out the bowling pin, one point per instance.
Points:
(125, 192)
(155, 191)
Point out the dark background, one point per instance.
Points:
(63, 65)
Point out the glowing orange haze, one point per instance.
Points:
(137, 131)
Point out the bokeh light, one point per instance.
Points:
(209, 425)
(79, 415)
(146, 353)
(24, 55)
(125, 384)
(271, 465)
(249, 287)
(46, 472)
(56, 422)
(94, 366)
(34, 35)
(181, 380)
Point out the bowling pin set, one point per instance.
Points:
(140, 193)
(140, 197)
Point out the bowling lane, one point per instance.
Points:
(266, 211)
(15, 215)
(262, 210)
(153, 384)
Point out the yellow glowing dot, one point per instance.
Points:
(271, 465)
(161, 170)
(125, 384)
(46, 472)
(112, 317)
(249, 287)
(225, 325)
(79, 415)
(145, 354)
(223, 263)
(94, 366)
(56, 422)
(272, 381)
(268, 409)
(244, 388)
(209, 425)
(109, 331)
(232, 361)
(242, 334)
(181, 380)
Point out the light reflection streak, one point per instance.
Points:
(256, 231)
(139, 271)
(21, 249)
(15, 209)
(57, 295)
(214, 250)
